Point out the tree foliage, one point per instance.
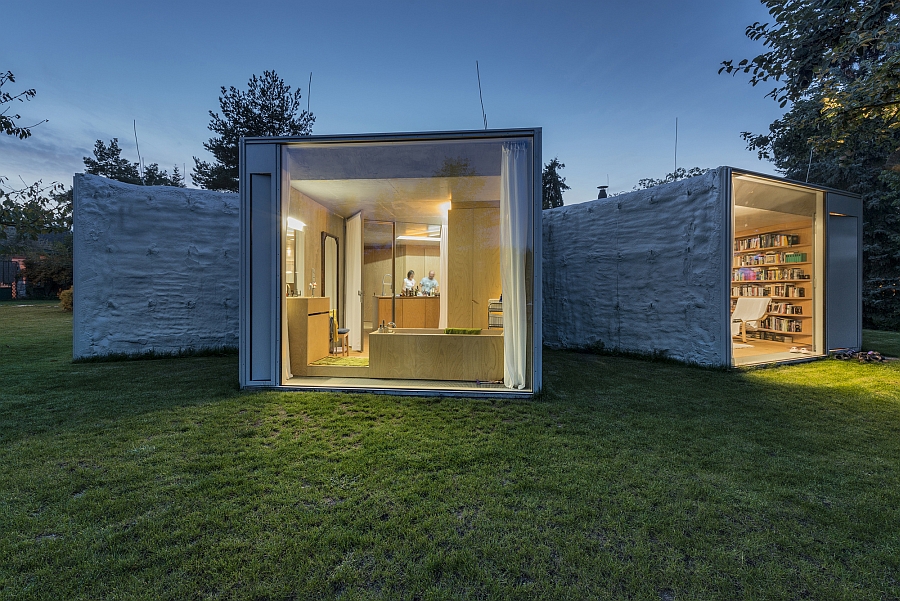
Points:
(553, 185)
(837, 62)
(27, 211)
(266, 108)
(679, 173)
(108, 162)
(48, 267)
(31, 210)
(8, 124)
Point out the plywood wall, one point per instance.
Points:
(473, 241)
(421, 258)
(376, 263)
(318, 219)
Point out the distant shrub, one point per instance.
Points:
(65, 299)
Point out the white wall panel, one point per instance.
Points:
(642, 272)
(156, 268)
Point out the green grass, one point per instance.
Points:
(886, 343)
(628, 479)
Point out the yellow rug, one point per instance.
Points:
(343, 361)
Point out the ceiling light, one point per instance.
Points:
(295, 224)
(419, 238)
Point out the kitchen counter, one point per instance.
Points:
(411, 311)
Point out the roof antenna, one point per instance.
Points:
(308, 91)
(483, 116)
(140, 160)
(675, 173)
(809, 168)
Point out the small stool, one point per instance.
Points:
(343, 339)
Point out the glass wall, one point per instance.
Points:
(776, 274)
(414, 268)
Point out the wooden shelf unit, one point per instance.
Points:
(803, 245)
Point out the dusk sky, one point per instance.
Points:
(605, 80)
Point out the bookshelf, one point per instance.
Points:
(776, 262)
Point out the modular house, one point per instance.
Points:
(728, 268)
(408, 263)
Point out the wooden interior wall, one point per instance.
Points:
(376, 264)
(318, 219)
(473, 240)
(420, 258)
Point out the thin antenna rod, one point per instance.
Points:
(483, 115)
(675, 173)
(309, 91)
(140, 160)
(809, 168)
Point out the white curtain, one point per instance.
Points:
(353, 282)
(285, 341)
(442, 283)
(515, 213)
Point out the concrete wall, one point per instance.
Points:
(156, 268)
(645, 271)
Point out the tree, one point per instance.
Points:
(837, 63)
(48, 266)
(845, 53)
(266, 108)
(108, 162)
(552, 185)
(8, 123)
(679, 173)
(33, 209)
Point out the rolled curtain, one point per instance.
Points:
(442, 282)
(514, 220)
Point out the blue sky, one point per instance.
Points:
(605, 80)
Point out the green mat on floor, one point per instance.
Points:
(343, 361)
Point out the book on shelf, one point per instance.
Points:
(768, 258)
(749, 274)
(763, 241)
(782, 324)
(773, 336)
(787, 290)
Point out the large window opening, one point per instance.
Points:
(776, 273)
(408, 264)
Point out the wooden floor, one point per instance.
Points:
(767, 351)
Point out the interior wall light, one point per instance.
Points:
(295, 224)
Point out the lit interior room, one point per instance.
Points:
(777, 269)
(408, 264)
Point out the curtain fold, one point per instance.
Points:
(442, 282)
(353, 282)
(515, 212)
(285, 341)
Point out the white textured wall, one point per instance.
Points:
(156, 268)
(644, 271)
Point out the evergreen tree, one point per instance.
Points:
(108, 162)
(266, 108)
(552, 184)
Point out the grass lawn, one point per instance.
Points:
(160, 479)
(886, 343)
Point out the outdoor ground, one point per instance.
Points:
(159, 479)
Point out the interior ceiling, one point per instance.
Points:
(409, 200)
(760, 203)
